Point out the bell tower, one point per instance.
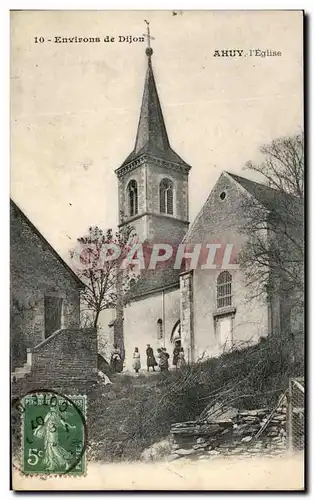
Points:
(153, 180)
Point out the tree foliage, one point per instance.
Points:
(99, 259)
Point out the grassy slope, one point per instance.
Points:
(134, 412)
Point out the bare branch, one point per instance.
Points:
(273, 256)
(100, 274)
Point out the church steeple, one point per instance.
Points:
(151, 133)
(153, 180)
(152, 137)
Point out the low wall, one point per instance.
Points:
(65, 358)
(235, 436)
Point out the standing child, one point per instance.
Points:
(181, 361)
(162, 360)
(136, 360)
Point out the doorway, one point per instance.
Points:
(224, 330)
(53, 314)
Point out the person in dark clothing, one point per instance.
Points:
(116, 363)
(164, 350)
(176, 352)
(151, 361)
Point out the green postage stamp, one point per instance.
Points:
(53, 434)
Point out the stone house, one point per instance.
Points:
(45, 292)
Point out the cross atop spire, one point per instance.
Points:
(149, 50)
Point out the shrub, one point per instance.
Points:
(135, 412)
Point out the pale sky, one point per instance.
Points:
(75, 106)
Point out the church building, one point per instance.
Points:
(153, 198)
(208, 310)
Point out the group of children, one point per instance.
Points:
(162, 357)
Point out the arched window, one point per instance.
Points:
(176, 332)
(132, 195)
(166, 196)
(224, 290)
(160, 331)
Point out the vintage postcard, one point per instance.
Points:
(157, 250)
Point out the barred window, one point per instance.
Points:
(132, 194)
(224, 290)
(160, 331)
(166, 196)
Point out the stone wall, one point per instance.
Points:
(235, 436)
(220, 222)
(155, 226)
(155, 174)
(68, 354)
(35, 272)
(186, 314)
(141, 327)
(66, 359)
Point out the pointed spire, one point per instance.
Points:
(151, 134)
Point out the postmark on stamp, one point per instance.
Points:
(53, 438)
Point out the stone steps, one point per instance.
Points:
(20, 372)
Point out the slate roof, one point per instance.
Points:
(160, 280)
(46, 244)
(270, 198)
(152, 137)
(151, 281)
(273, 200)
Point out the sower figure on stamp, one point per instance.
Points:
(54, 454)
(151, 361)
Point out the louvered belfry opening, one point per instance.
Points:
(166, 196)
(133, 197)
